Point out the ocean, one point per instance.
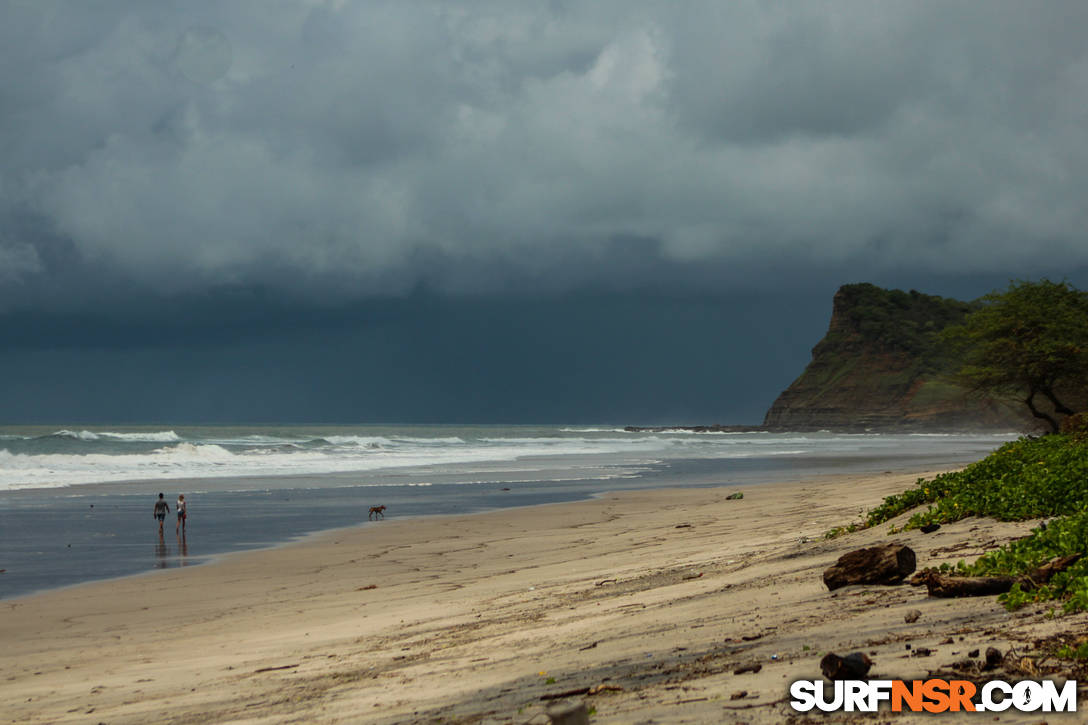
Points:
(76, 501)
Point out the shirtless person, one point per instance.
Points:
(161, 509)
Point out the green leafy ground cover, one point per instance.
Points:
(1025, 479)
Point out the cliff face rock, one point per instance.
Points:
(879, 367)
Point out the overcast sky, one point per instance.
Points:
(413, 211)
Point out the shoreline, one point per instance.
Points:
(658, 593)
(107, 540)
(302, 538)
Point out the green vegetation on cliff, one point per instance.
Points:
(894, 321)
(890, 360)
(884, 365)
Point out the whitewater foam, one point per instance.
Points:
(167, 436)
(35, 460)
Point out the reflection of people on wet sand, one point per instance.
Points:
(160, 553)
(161, 509)
(182, 513)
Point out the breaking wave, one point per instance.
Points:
(166, 436)
(73, 456)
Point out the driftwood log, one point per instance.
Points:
(947, 587)
(1041, 575)
(885, 564)
(854, 666)
(940, 585)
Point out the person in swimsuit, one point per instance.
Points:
(161, 509)
(181, 513)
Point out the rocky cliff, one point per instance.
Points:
(880, 367)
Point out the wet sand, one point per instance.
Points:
(655, 598)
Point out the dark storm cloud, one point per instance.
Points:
(336, 149)
(621, 358)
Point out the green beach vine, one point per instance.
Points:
(1025, 479)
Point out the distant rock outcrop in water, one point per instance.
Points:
(880, 367)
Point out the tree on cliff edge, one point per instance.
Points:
(1027, 342)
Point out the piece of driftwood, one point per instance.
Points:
(854, 666)
(948, 587)
(595, 690)
(885, 564)
(604, 687)
(939, 585)
(565, 693)
(278, 667)
(1041, 575)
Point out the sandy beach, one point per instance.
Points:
(650, 599)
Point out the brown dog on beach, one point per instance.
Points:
(377, 511)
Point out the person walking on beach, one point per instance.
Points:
(181, 514)
(161, 509)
